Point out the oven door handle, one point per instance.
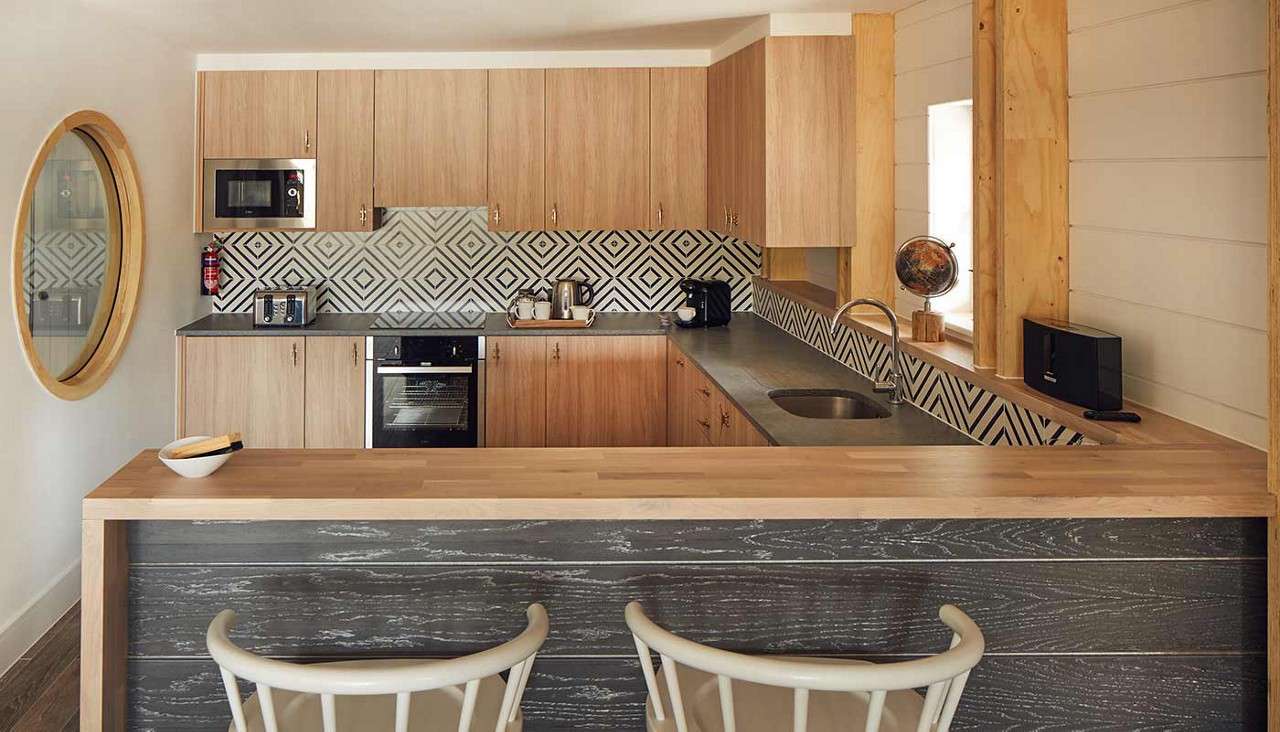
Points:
(425, 369)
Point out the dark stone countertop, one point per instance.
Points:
(751, 357)
(747, 359)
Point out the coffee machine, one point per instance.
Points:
(712, 301)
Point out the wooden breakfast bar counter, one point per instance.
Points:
(1119, 587)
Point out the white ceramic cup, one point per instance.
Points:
(685, 313)
(581, 312)
(542, 310)
(524, 310)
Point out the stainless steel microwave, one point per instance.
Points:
(260, 194)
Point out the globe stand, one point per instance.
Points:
(928, 326)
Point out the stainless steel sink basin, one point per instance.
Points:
(828, 404)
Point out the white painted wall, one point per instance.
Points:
(60, 56)
(1168, 200)
(933, 65)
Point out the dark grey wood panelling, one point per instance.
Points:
(1023, 607)
(285, 542)
(1064, 693)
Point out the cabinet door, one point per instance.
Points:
(344, 151)
(253, 385)
(606, 391)
(259, 114)
(516, 391)
(597, 148)
(679, 399)
(718, 147)
(703, 418)
(678, 148)
(430, 130)
(732, 428)
(335, 392)
(748, 174)
(517, 149)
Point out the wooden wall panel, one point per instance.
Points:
(986, 242)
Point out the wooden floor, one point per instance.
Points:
(41, 693)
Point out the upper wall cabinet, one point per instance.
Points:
(344, 151)
(597, 170)
(258, 114)
(678, 148)
(517, 149)
(780, 159)
(430, 130)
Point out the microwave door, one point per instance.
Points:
(259, 194)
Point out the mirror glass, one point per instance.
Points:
(71, 252)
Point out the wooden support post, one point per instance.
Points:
(104, 630)
(865, 268)
(1273, 350)
(1031, 170)
(985, 240)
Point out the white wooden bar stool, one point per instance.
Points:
(459, 694)
(710, 690)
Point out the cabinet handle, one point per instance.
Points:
(659, 214)
(306, 139)
(295, 354)
(705, 424)
(497, 213)
(355, 355)
(733, 220)
(724, 419)
(705, 392)
(497, 352)
(555, 355)
(726, 217)
(364, 215)
(680, 362)
(555, 214)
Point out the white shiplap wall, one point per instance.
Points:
(933, 65)
(1168, 200)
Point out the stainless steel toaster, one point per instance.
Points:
(289, 308)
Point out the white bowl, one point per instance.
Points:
(196, 467)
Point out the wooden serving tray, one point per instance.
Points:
(551, 324)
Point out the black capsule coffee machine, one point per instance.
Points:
(711, 301)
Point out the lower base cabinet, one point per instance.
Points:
(699, 414)
(334, 414)
(606, 391)
(515, 391)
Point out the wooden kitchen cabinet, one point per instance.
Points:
(258, 114)
(597, 168)
(517, 149)
(515, 391)
(254, 385)
(606, 391)
(731, 428)
(779, 172)
(678, 148)
(430, 138)
(344, 151)
(334, 413)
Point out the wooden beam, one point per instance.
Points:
(1031, 171)
(865, 269)
(104, 629)
(985, 241)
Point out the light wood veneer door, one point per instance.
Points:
(517, 149)
(747, 168)
(719, 146)
(515, 391)
(344, 157)
(334, 415)
(732, 428)
(679, 398)
(252, 384)
(259, 114)
(597, 148)
(606, 391)
(430, 138)
(678, 148)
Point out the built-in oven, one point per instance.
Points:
(424, 391)
(260, 194)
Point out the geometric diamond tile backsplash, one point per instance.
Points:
(446, 259)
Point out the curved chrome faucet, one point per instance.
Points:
(894, 386)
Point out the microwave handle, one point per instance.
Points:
(424, 369)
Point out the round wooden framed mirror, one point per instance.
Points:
(77, 254)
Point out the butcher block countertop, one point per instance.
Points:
(1190, 480)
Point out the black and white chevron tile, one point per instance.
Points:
(986, 417)
(446, 259)
(63, 260)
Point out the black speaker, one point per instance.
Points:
(1074, 363)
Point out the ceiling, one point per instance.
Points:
(264, 26)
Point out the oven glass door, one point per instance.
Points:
(424, 406)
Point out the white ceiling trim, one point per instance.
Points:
(775, 24)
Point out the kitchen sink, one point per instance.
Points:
(828, 404)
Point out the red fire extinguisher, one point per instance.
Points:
(210, 268)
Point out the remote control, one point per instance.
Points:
(1112, 416)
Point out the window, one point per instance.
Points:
(951, 203)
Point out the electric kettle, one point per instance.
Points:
(567, 293)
